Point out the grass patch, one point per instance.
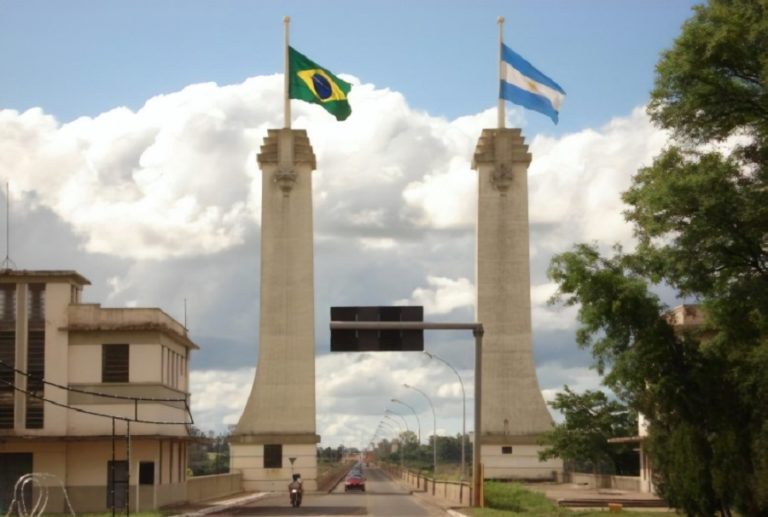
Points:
(490, 512)
(513, 499)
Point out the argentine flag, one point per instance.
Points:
(522, 84)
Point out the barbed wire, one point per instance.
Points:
(35, 479)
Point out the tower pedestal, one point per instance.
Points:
(513, 409)
(276, 433)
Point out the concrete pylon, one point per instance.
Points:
(514, 413)
(278, 422)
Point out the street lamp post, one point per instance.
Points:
(398, 423)
(399, 439)
(418, 422)
(401, 418)
(463, 411)
(434, 432)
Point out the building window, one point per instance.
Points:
(8, 304)
(114, 363)
(34, 419)
(168, 367)
(36, 305)
(7, 377)
(146, 472)
(35, 382)
(7, 354)
(74, 295)
(273, 456)
(507, 449)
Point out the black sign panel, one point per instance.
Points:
(377, 340)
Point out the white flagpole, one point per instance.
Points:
(501, 73)
(287, 109)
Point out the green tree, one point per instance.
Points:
(700, 214)
(590, 420)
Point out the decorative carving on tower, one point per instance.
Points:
(285, 177)
(501, 177)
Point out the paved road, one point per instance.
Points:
(382, 497)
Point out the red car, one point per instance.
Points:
(354, 483)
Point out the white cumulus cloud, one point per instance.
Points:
(442, 295)
(165, 203)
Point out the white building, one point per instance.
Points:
(66, 369)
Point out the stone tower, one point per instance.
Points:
(276, 432)
(514, 413)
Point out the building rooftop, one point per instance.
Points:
(91, 317)
(19, 275)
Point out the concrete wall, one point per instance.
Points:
(81, 467)
(202, 488)
(94, 498)
(249, 461)
(47, 458)
(630, 483)
(146, 361)
(522, 463)
(93, 425)
(57, 299)
(149, 371)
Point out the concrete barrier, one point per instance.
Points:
(201, 488)
(628, 483)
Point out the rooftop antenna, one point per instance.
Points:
(7, 263)
(185, 316)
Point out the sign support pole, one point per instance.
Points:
(477, 332)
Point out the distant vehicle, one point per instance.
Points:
(354, 482)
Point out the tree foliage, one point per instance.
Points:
(208, 454)
(590, 420)
(420, 456)
(700, 214)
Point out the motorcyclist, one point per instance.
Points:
(296, 484)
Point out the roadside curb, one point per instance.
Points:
(224, 505)
(454, 513)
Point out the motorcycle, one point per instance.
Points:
(295, 497)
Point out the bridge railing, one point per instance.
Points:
(457, 492)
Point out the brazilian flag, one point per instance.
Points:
(312, 83)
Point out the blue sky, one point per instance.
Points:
(128, 132)
(82, 57)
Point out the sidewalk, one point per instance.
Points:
(213, 505)
(573, 495)
(435, 500)
(449, 506)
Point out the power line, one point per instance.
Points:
(86, 392)
(136, 400)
